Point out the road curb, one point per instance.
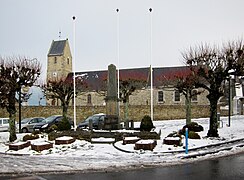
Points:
(191, 149)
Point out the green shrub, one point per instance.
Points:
(30, 137)
(175, 134)
(35, 132)
(193, 135)
(193, 126)
(146, 124)
(64, 124)
(52, 128)
(175, 139)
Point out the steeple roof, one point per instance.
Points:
(57, 48)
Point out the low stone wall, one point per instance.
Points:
(136, 113)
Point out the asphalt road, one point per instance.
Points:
(225, 168)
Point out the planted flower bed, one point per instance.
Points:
(64, 140)
(130, 140)
(40, 146)
(145, 144)
(172, 141)
(19, 145)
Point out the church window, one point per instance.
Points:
(160, 96)
(53, 102)
(67, 60)
(194, 95)
(177, 96)
(55, 60)
(89, 101)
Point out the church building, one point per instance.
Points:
(59, 65)
(59, 60)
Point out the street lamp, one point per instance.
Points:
(231, 77)
(20, 108)
(230, 96)
(230, 107)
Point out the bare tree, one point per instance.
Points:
(63, 90)
(126, 88)
(213, 66)
(185, 83)
(15, 72)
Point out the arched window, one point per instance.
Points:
(68, 60)
(194, 95)
(89, 100)
(53, 102)
(55, 60)
(177, 96)
(160, 96)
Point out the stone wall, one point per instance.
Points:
(162, 112)
(143, 97)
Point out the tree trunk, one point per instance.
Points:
(12, 116)
(213, 125)
(12, 130)
(126, 113)
(188, 108)
(65, 110)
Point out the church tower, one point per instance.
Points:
(59, 60)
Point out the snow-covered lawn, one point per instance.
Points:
(81, 147)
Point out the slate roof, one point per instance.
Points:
(57, 48)
(96, 80)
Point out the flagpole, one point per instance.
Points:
(74, 72)
(117, 10)
(151, 69)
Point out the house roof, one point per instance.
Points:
(57, 48)
(96, 80)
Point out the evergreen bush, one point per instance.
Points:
(193, 126)
(193, 135)
(64, 124)
(146, 124)
(52, 128)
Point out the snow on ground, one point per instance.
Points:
(101, 155)
(235, 131)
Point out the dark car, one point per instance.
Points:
(48, 122)
(97, 121)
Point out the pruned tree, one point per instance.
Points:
(22, 97)
(185, 83)
(126, 88)
(63, 89)
(213, 66)
(15, 72)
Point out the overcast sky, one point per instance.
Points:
(27, 27)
